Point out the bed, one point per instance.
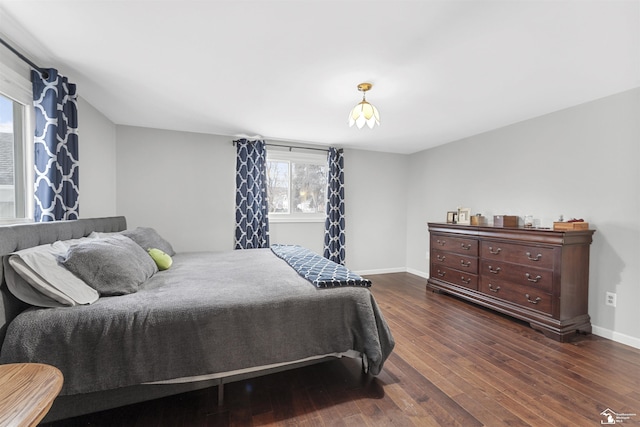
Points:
(210, 319)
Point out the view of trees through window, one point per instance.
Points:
(296, 187)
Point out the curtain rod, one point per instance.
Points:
(291, 147)
(42, 71)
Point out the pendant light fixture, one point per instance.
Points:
(364, 113)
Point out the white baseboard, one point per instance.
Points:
(615, 336)
(393, 270)
(381, 271)
(418, 273)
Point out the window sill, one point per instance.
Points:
(16, 221)
(285, 219)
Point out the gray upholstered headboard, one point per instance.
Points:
(16, 237)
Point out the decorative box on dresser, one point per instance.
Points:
(537, 275)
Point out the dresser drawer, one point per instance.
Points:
(524, 296)
(536, 278)
(520, 254)
(456, 277)
(454, 260)
(458, 245)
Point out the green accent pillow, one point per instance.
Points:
(163, 261)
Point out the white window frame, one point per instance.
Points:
(315, 157)
(18, 88)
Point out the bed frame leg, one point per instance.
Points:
(365, 364)
(220, 394)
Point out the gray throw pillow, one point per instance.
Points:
(149, 238)
(115, 265)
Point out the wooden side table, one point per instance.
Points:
(27, 391)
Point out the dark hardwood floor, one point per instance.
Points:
(454, 364)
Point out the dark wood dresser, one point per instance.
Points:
(540, 276)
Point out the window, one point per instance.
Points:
(16, 134)
(296, 186)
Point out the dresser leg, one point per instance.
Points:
(433, 290)
(556, 336)
(563, 336)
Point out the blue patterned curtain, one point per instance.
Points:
(56, 147)
(252, 222)
(334, 242)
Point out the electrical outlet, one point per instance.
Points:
(610, 299)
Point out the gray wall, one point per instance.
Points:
(183, 184)
(376, 206)
(580, 162)
(180, 183)
(97, 147)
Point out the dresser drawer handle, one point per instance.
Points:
(535, 301)
(465, 281)
(441, 273)
(440, 258)
(537, 258)
(496, 271)
(494, 252)
(441, 242)
(534, 280)
(465, 247)
(492, 289)
(465, 264)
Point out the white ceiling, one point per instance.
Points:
(288, 70)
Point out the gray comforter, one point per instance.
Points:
(209, 313)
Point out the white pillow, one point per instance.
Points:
(24, 291)
(39, 268)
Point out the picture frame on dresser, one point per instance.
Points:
(464, 216)
(451, 217)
